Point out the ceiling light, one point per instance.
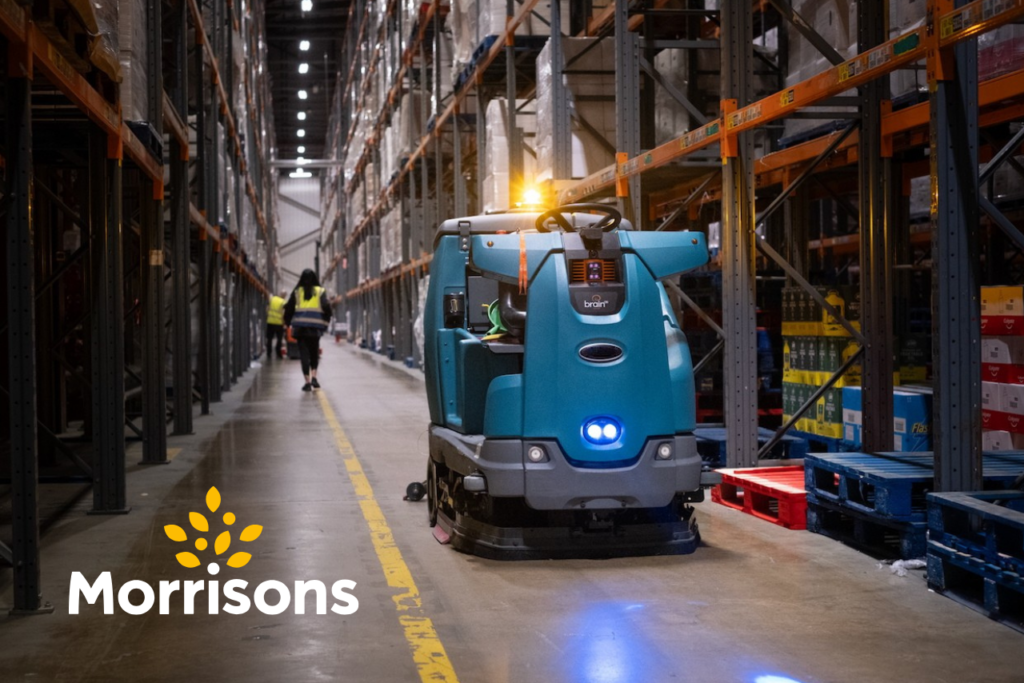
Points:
(301, 149)
(303, 68)
(301, 133)
(300, 173)
(303, 45)
(301, 161)
(303, 94)
(307, 5)
(302, 116)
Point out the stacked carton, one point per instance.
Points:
(815, 345)
(1002, 367)
(586, 99)
(912, 413)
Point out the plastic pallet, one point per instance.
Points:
(974, 524)
(712, 445)
(995, 593)
(775, 494)
(893, 485)
(831, 445)
(878, 536)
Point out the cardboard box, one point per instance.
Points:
(1002, 310)
(996, 440)
(852, 415)
(990, 399)
(1011, 398)
(912, 417)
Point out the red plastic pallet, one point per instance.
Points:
(775, 494)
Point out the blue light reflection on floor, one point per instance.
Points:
(772, 678)
(609, 647)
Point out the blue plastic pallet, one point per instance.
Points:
(712, 446)
(994, 592)
(892, 485)
(988, 525)
(831, 445)
(879, 536)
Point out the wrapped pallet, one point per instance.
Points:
(410, 123)
(132, 44)
(104, 45)
(587, 98)
(671, 119)
(473, 22)
(391, 239)
(497, 194)
(1000, 51)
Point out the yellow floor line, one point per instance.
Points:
(427, 651)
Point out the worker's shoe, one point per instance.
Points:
(316, 385)
(307, 387)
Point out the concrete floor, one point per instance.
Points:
(755, 604)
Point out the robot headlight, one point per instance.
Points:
(602, 431)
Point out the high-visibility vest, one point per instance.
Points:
(275, 311)
(307, 311)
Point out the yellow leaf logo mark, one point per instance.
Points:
(222, 543)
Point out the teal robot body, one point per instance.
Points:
(586, 401)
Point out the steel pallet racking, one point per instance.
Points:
(762, 201)
(84, 321)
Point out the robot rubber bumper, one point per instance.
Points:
(560, 386)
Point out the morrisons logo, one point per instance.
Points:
(269, 597)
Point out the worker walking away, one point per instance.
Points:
(308, 312)
(275, 323)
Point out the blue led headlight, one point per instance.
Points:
(602, 431)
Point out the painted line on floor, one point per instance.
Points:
(427, 651)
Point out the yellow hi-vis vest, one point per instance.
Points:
(307, 311)
(275, 311)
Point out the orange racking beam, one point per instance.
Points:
(1005, 93)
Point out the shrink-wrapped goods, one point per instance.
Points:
(474, 21)
(588, 97)
(496, 191)
(670, 117)
(104, 45)
(132, 45)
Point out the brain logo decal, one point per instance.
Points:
(222, 542)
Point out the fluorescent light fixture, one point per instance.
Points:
(300, 173)
(301, 149)
(307, 5)
(302, 116)
(303, 45)
(302, 161)
(301, 133)
(303, 68)
(303, 94)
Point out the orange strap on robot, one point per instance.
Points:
(522, 263)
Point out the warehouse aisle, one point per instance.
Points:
(757, 601)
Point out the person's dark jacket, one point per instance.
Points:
(289, 312)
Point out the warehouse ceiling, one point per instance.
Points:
(323, 26)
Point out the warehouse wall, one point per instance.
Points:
(299, 209)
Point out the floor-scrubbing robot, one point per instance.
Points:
(560, 387)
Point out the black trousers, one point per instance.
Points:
(309, 352)
(274, 331)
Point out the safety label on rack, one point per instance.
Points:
(745, 115)
(787, 97)
(700, 135)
